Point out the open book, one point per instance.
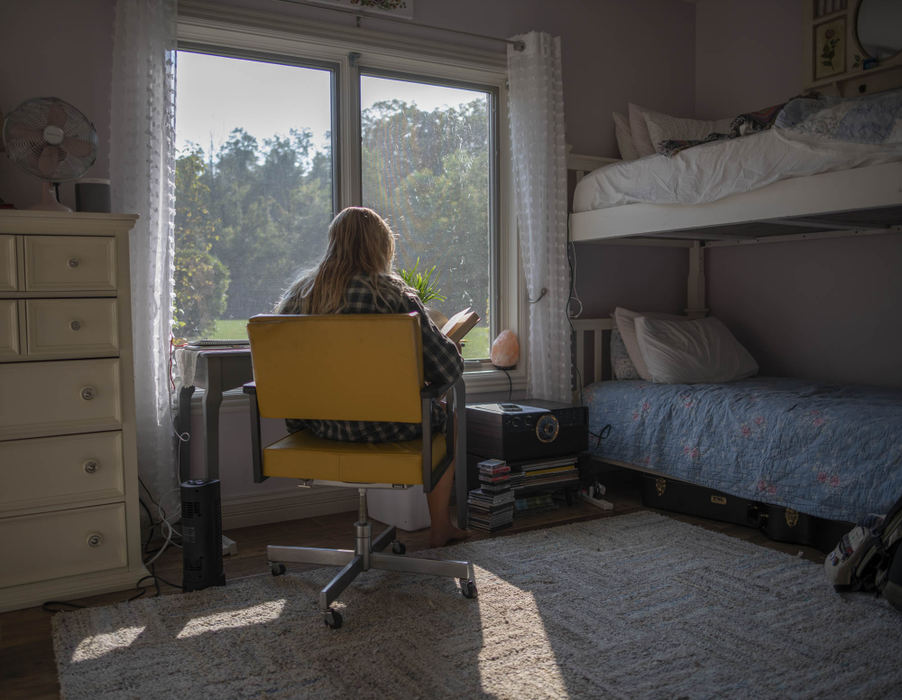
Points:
(460, 324)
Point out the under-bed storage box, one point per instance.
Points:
(777, 522)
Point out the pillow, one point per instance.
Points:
(624, 138)
(692, 352)
(662, 127)
(626, 324)
(639, 131)
(621, 364)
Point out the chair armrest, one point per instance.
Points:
(455, 407)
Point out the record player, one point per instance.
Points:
(526, 431)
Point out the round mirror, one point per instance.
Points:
(879, 28)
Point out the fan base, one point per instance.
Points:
(49, 202)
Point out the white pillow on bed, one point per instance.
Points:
(626, 324)
(663, 127)
(702, 351)
(624, 137)
(639, 131)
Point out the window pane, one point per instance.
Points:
(425, 157)
(253, 186)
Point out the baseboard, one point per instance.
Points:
(246, 511)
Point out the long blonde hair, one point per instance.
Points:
(360, 244)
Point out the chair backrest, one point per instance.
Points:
(338, 366)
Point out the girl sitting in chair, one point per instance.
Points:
(355, 277)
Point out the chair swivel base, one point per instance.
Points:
(367, 555)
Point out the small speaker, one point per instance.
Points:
(92, 194)
(201, 535)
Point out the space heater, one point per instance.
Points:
(201, 535)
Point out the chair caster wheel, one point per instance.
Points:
(332, 619)
(398, 547)
(468, 588)
(277, 569)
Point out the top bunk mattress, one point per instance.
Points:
(715, 170)
(808, 136)
(830, 451)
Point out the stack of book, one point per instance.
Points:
(491, 506)
(549, 474)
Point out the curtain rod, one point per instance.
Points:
(516, 43)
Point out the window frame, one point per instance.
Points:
(348, 58)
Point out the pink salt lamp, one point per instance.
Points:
(505, 350)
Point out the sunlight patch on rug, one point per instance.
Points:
(253, 615)
(503, 632)
(97, 645)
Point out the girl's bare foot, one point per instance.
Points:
(439, 537)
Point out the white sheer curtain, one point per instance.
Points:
(142, 171)
(540, 176)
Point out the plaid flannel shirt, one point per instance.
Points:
(442, 364)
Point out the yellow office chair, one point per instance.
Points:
(353, 367)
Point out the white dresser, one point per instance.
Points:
(69, 519)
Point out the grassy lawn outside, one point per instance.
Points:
(476, 344)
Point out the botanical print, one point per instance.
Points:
(830, 48)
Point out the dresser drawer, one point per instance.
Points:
(71, 327)
(40, 399)
(70, 263)
(8, 266)
(10, 348)
(62, 543)
(57, 471)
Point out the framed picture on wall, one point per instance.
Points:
(830, 48)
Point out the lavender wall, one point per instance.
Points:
(826, 309)
(56, 48)
(748, 55)
(640, 278)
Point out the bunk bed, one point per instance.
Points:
(802, 460)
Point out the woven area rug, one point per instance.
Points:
(633, 606)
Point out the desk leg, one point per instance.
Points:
(183, 425)
(211, 402)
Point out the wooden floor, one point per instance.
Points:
(27, 667)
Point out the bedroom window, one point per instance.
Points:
(426, 166)
(275, 136)
(254, 185)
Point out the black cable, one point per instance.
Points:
(603, 434)
(510, 385)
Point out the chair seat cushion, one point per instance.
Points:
(302, 455)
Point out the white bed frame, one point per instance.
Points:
(857, 201)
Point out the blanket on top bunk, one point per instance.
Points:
(808, 136)
(830, 451)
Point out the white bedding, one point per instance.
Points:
(714, 170)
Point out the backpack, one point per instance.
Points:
(869, 557)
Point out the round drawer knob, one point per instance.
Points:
(91, 466)
(95, 539)
(75, 325)
(88, 393)
(73, 262)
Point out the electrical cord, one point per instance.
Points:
(601, 435)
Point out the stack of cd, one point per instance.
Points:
(491, 506)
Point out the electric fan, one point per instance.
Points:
(52, 140)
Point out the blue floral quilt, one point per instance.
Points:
(826, 450)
